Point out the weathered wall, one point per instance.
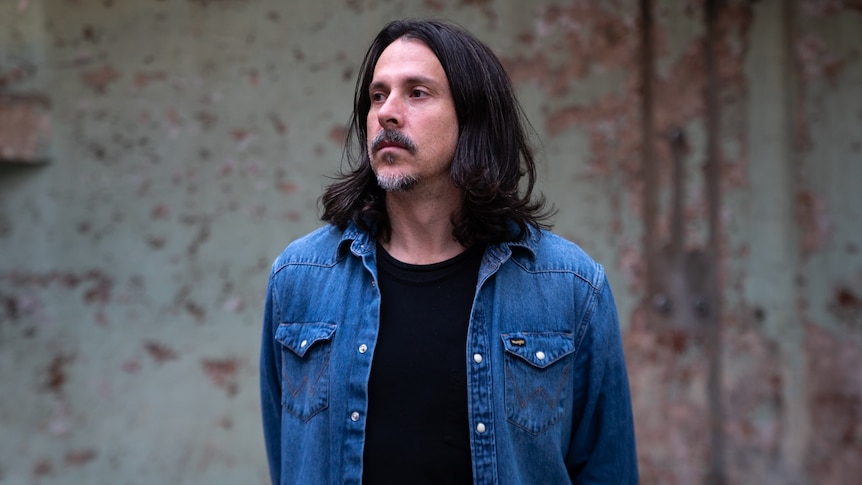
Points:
(827, 145)
(708, 153)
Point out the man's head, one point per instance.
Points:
(411, 123)
(476, 134)
(483, 98)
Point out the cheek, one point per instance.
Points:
(451, 126)
(450, 137)
(370, 131)
(371, 125)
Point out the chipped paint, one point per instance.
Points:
(160, 353)
(836, 404)
(813, 219)
(100, 78)
(25, 127)
(57, 373)
(79, 457)
(223, 373)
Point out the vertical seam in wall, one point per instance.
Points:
(713, 173)
(650, 179)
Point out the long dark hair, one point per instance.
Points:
(492, 156)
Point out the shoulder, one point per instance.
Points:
(545, 251)
(323, 246)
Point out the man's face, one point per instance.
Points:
(412, 123)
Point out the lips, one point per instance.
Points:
(392, 139)
(389, 144)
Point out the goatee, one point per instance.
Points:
(396, 182)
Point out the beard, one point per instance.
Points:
(399, 182)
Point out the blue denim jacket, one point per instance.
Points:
(548, 393)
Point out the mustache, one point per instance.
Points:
(393, 136)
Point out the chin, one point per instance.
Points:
(396, 182)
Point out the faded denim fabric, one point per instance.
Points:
(548, 393)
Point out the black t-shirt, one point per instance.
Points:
(417, 430)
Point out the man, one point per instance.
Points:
(434, 331)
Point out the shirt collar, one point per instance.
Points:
(361, 242)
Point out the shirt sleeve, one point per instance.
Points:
(270, 385)
(603, 436)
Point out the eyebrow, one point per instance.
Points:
(409, 81)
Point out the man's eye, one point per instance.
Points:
(376, 97)
(418, 93)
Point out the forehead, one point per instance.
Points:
(408, 58)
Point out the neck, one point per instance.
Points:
(421, 228)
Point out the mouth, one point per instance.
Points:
(391, 139)
(384, 146)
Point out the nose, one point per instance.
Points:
(390, 114)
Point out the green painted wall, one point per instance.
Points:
(189, 141)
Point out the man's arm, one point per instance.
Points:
(270, 385)
(603, 437)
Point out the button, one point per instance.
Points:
(540, 355)
(303, 344)
(480, 427)
(363, 348)
(477, 358)
(354, 416)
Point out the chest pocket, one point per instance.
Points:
(305, 353)
(538, 369)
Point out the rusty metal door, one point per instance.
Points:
(750, 269)
(682, 239)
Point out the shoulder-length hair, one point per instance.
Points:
(493, 162)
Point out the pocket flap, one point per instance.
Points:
(539, 349)
(299, 337)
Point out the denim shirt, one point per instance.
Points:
(548, 393)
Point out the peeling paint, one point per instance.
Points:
(97, 284)
(278, 124)
(338, 134)
(223, 373)
(816, 60)
(43, 468)
(25, 126)
(160, 353)
(79, 457)
(57, 372)
(836, 405)
(846, 305)
(100, 79)
(812, 217)
(233, 304)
